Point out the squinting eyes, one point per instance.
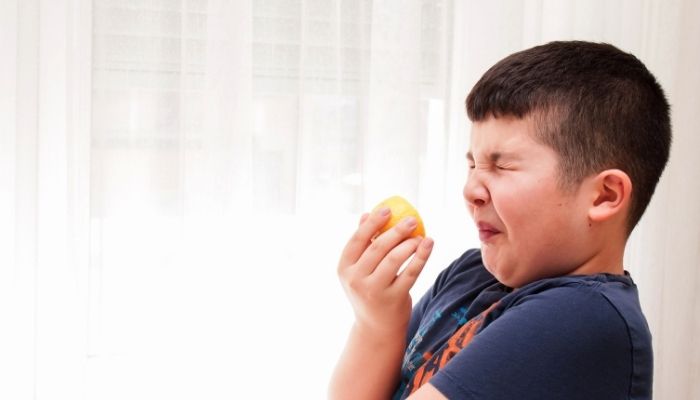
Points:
(498, 167)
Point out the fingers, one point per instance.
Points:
(388, 268)
(382, 245)
(408, 276)
(383, 256)
(369, 225)
(363, 218)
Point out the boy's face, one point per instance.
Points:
(529, 228)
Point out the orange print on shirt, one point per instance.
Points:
(458, 341)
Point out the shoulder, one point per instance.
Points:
(468, 268)
(574, 308)
(470, 260)
(599, 303)
(598, 311)
(556, 339)
(456, 285)
(463, 281)
(556, 317)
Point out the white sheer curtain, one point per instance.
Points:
(44, 209)
(177, 178)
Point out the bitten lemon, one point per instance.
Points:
(400, 209)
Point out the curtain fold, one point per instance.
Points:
(177, 179)
(45, 155)
(393, 136)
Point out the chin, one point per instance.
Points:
(507, 280)
(505, 277)
(493, 269)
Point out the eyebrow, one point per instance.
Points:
(494, 157)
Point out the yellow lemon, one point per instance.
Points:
(400, 209)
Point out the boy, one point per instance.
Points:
(568, 142)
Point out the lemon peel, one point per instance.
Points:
(400, 209)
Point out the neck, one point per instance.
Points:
(609, 260)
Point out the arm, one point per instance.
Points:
(427, 392)
(369, 271)
(368, 367)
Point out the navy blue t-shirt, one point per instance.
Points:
(571, 337)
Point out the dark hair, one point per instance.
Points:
(595, 105)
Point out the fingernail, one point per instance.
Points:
(428, 244)
(410, 222)
(384, 211)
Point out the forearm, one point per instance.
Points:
(369, 367)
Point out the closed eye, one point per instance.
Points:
(505, 166)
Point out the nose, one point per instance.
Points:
(475, 192)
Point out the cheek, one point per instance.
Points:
(547, 230)
(513, 205)
(533, 216)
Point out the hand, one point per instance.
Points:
(369, 272)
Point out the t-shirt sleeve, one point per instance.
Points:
(563, 343)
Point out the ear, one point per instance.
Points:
(612, 190)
